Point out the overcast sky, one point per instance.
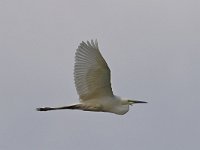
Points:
(152, 48)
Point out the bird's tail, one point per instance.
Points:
(75, 106)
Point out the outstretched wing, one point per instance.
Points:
(91, 72)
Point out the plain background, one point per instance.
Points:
(152, 48)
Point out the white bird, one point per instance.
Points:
(92, 81)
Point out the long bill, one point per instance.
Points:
(136, 101)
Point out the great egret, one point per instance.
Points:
(92, 81)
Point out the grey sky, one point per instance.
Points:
(152, 48)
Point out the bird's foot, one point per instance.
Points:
(44, 109)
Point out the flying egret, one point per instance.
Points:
(92, 81)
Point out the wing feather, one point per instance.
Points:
(91, 72)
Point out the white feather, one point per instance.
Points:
(91, 72)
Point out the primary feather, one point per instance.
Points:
(91, 72)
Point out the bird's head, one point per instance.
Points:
(131, 102)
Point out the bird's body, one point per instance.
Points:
(92, 80)
(108, 104)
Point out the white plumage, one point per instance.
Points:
(91, 72)
(92, 81)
